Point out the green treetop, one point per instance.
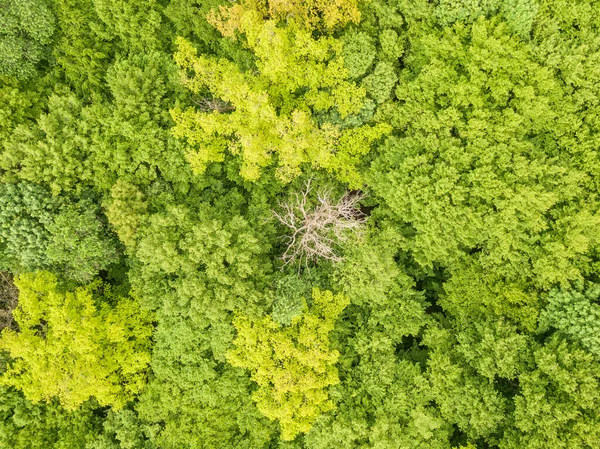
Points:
(292, 365)
(72, 347)
(265, 115)
(26, 29)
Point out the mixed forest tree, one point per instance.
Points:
(316, 224)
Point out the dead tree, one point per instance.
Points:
(9, 298)
(214, 104)
(317, 231)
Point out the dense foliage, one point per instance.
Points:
(300, 224)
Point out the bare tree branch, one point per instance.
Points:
(317, 232)
(214, 104)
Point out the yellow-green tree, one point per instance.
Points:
(293, 366)
(73, 347)
(125, 211)
(312, 14)
(267, 115)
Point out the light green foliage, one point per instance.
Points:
(385, 403)
(108, 360)
(374, 280)
(391, 44)
(137, 23)
(464, 397)
(293, 366)
(197, 261)
(384, 399)
(74, 145)
(465, 171)
(24, 425)
(449, 11)
(122, 429)
(380, 83)
(189, 19)
(494, 348)
(322, 15)
(557, 404)
(474, 367)
(291, 293)
(567, 40)
(131, 139)
(195, 400)
(54, 150)
(290, 59)
(181, 239)
(473, 292)
(359, 53)
(267, 117)
(26, 29)
(406, 17)
(125, 211)
(576, 315)
(468, 309)
(83, 46)
(16, 107)
(519, 14)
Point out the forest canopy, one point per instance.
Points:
(285, 224)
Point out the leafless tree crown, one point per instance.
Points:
(317, 231)
(9, 298)
(214, 104)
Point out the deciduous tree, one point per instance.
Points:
(293, 366)
(73, 346)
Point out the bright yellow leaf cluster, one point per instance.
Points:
(268, 118)
(293, 366)
(311, 14)
(71, 348)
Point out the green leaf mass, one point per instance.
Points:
(161, 160)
